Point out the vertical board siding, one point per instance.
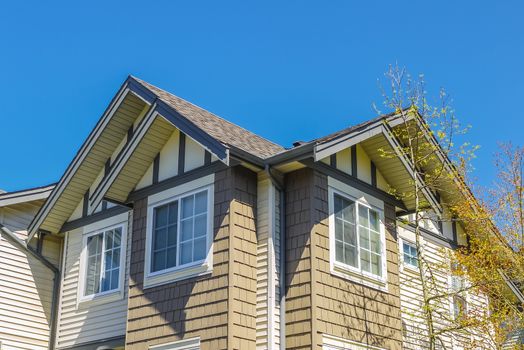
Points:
(415, 329)
(26, 285)
(268, 265)
(78, 322)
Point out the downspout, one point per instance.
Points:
(56, 280)
(280, 187)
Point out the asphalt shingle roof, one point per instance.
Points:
(222, 130)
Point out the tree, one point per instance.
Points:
(426, 137)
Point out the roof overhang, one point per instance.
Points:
(23, 196)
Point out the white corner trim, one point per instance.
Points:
(83, 301)
(330, 342)
(152, 279)
(185, 344)
(346, 271)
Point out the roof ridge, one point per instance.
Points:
(146, 84)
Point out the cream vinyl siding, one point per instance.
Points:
(268, 265)
(414, 335)
(26, 285)
(92, 320)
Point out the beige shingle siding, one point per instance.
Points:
(318, 302)
(243, 250)
(298, 263)
(346, 309)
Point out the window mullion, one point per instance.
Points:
(102, 262)
(178, 227)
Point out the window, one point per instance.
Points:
(186, 344)
(180, 232)
(459, 307)
(410, 254)
(458, 283)
(358, 236)
(103, 261)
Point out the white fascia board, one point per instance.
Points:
(11, 198)
(324, 150)
(77, 161)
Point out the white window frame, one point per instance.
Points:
(119, 221)
(189, 270)
(401, 255)
(347, 271)
(184, 344)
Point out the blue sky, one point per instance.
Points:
(309, 66)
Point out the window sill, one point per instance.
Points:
(177, 275)
(360, 278)
(100, 299)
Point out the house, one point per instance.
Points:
(181, 230)
(28, 273)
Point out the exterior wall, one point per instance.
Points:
(210, 305)
(26, 285)
(318, 302)
(89, 321)
(414, 336)
(268, 264)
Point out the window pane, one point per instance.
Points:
(109, 240)
(94, 262)
(375, 242)
(376, 264)
(171, 257)
(363, 219)
(108, 259)
(94, 245)
(364, 238)
(200, 249)
(374, 220)
(200, 225)
(350, 235)
(117, 237)
(186, 231)
(159, 261)
(186, 250)
(350, 255)
(161, 216)
(173, 213)
(116, 259)
(187, 207)
(171, 235)
(106, 282)
(339, 229)
(114, 279)
(365, 260)
(160, 239)
(201, 202)
(339, 251)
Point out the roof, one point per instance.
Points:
(222, 130)
(27, 195)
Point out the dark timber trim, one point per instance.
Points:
(333, 160)
(85, 203)
(101, 215)
(176, 181)
(354, 182)
(434, 237)
(156, 168)
(130, 133)
(354, 169)
(181, 153)
(373, 174)
(207, 157)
